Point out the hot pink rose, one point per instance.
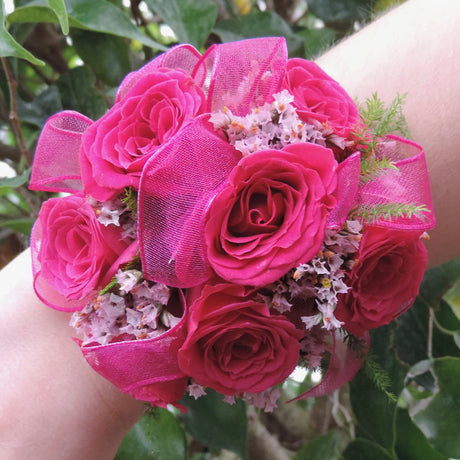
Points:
(271, 214)
(116, 147)
(76, 251)
(385, 280)
(234, 344)
(318, 96)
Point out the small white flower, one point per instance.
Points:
(128, 279)
(311, 321)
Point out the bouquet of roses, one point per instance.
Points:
(230, 218)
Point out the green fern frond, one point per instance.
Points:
(386, 211)
(129, 199)
(379, 121)
(112, 284)
(383, 120)
(372, 168)
(357, 346)
(379, 377)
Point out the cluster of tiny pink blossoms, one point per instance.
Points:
(265, 400)
(115, 212)
(322, 278)
(273, 126)
(136, 311)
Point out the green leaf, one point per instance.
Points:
(107, 55)
(9, 47)
(411, 443)
(22, 225)
(191, 20)
(341, 11)
(316, 41)
(437, 281)
(217, 424)
(367, 400)
(452, 297)
(99, 16)
(13, 182)
(440, 419)
(41, 108)
(322, 448)
(58, 6)
(363, 449)
(158, 435)
(77, 92)
(411, 334)
(259, 24)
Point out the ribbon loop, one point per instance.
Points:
(241, 75)
(147, 369)
(57, 156)
(176, 188)
(407, 184)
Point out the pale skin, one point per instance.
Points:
(53, 405)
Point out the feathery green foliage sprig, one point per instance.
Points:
(386, 211)
(372, 168)
(129, 199)
(379, 121)
(379, 377)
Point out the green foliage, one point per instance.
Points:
(372, 168)
(78, 92)
(59, 8)
(341, 12)
(404, 403)
(101, 16)
(322, 448)
(191, 20)
(10, 47)
(130, 200)
(259, 24)
(386, 211)
(158, 436)
(379, 121)
(217, 424)
(439, 420)
(379, 377)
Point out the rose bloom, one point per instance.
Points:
(76, 250)
(317, 96)
(270, 216)
(116, 147)
(384, 281)
(234, 344)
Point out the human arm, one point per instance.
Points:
(52, 404)
(415, 49)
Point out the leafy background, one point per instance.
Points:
(72, 54)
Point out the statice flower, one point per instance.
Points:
(196, 390)
(266, 400)
(133, 309)
(271, 126)
(321, 279)
(128, 279)
(108, 212)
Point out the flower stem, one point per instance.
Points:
(13, 115)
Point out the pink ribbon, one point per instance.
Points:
(57, 156)
(176, 188)
(408, 183)
(344, 365)
(147, 369)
